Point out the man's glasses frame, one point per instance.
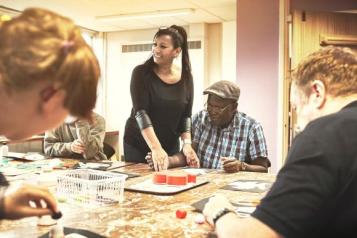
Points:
(220, 110)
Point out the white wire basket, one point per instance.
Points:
(91, 187)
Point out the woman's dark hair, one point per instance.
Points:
(179, 38)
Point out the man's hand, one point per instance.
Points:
(160, 159)
(191, 156)
(230, 165)
(214, 205)
(16, 204)
(77, 147)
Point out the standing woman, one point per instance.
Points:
(162, 96)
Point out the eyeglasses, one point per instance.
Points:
(219, 110)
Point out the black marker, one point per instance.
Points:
(56, 215)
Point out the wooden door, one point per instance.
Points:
(313, 30)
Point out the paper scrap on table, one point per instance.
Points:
(12, 171)
(195, 171)
(245, 209)
(16, 155)
(254, 186)
(249, 185)
(30, 156)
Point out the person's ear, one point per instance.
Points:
(52, 100)
(232, 107)
(318, 94)
(177, 51)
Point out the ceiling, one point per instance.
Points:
(84, 12)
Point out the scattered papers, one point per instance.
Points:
(13, 171)
(91, 165)
(34, 156)
(195, 171)
(15, 155)
(245, 209)
(253, 186)
(31, 156)
(117, 164)
(242, 210)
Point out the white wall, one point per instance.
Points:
(221, 52)
(258, 67)
(196, 32)
(229, 57)
(214, 53)
(97, 42)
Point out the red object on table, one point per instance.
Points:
(191, 178)
(173, 178)
(160, 178)
(181, 213)
(177, 178)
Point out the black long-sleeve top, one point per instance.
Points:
(167, 105)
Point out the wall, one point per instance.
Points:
(221, 52)
(257, 66)
(214, 54)
(229, 60)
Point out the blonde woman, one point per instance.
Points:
(47, 71)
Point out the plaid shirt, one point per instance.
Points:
(242, 139)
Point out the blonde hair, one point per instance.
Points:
(336, 67)
(42, 46)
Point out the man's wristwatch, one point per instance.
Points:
(221, 213)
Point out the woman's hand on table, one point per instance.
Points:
(160, 159)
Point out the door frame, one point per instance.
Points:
(285, 51)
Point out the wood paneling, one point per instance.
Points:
(308, 29)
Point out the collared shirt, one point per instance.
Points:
(242, 139)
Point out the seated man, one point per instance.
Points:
(223, 137)
(79, 139)
(316, 191)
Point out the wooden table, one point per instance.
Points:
(142, 215)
